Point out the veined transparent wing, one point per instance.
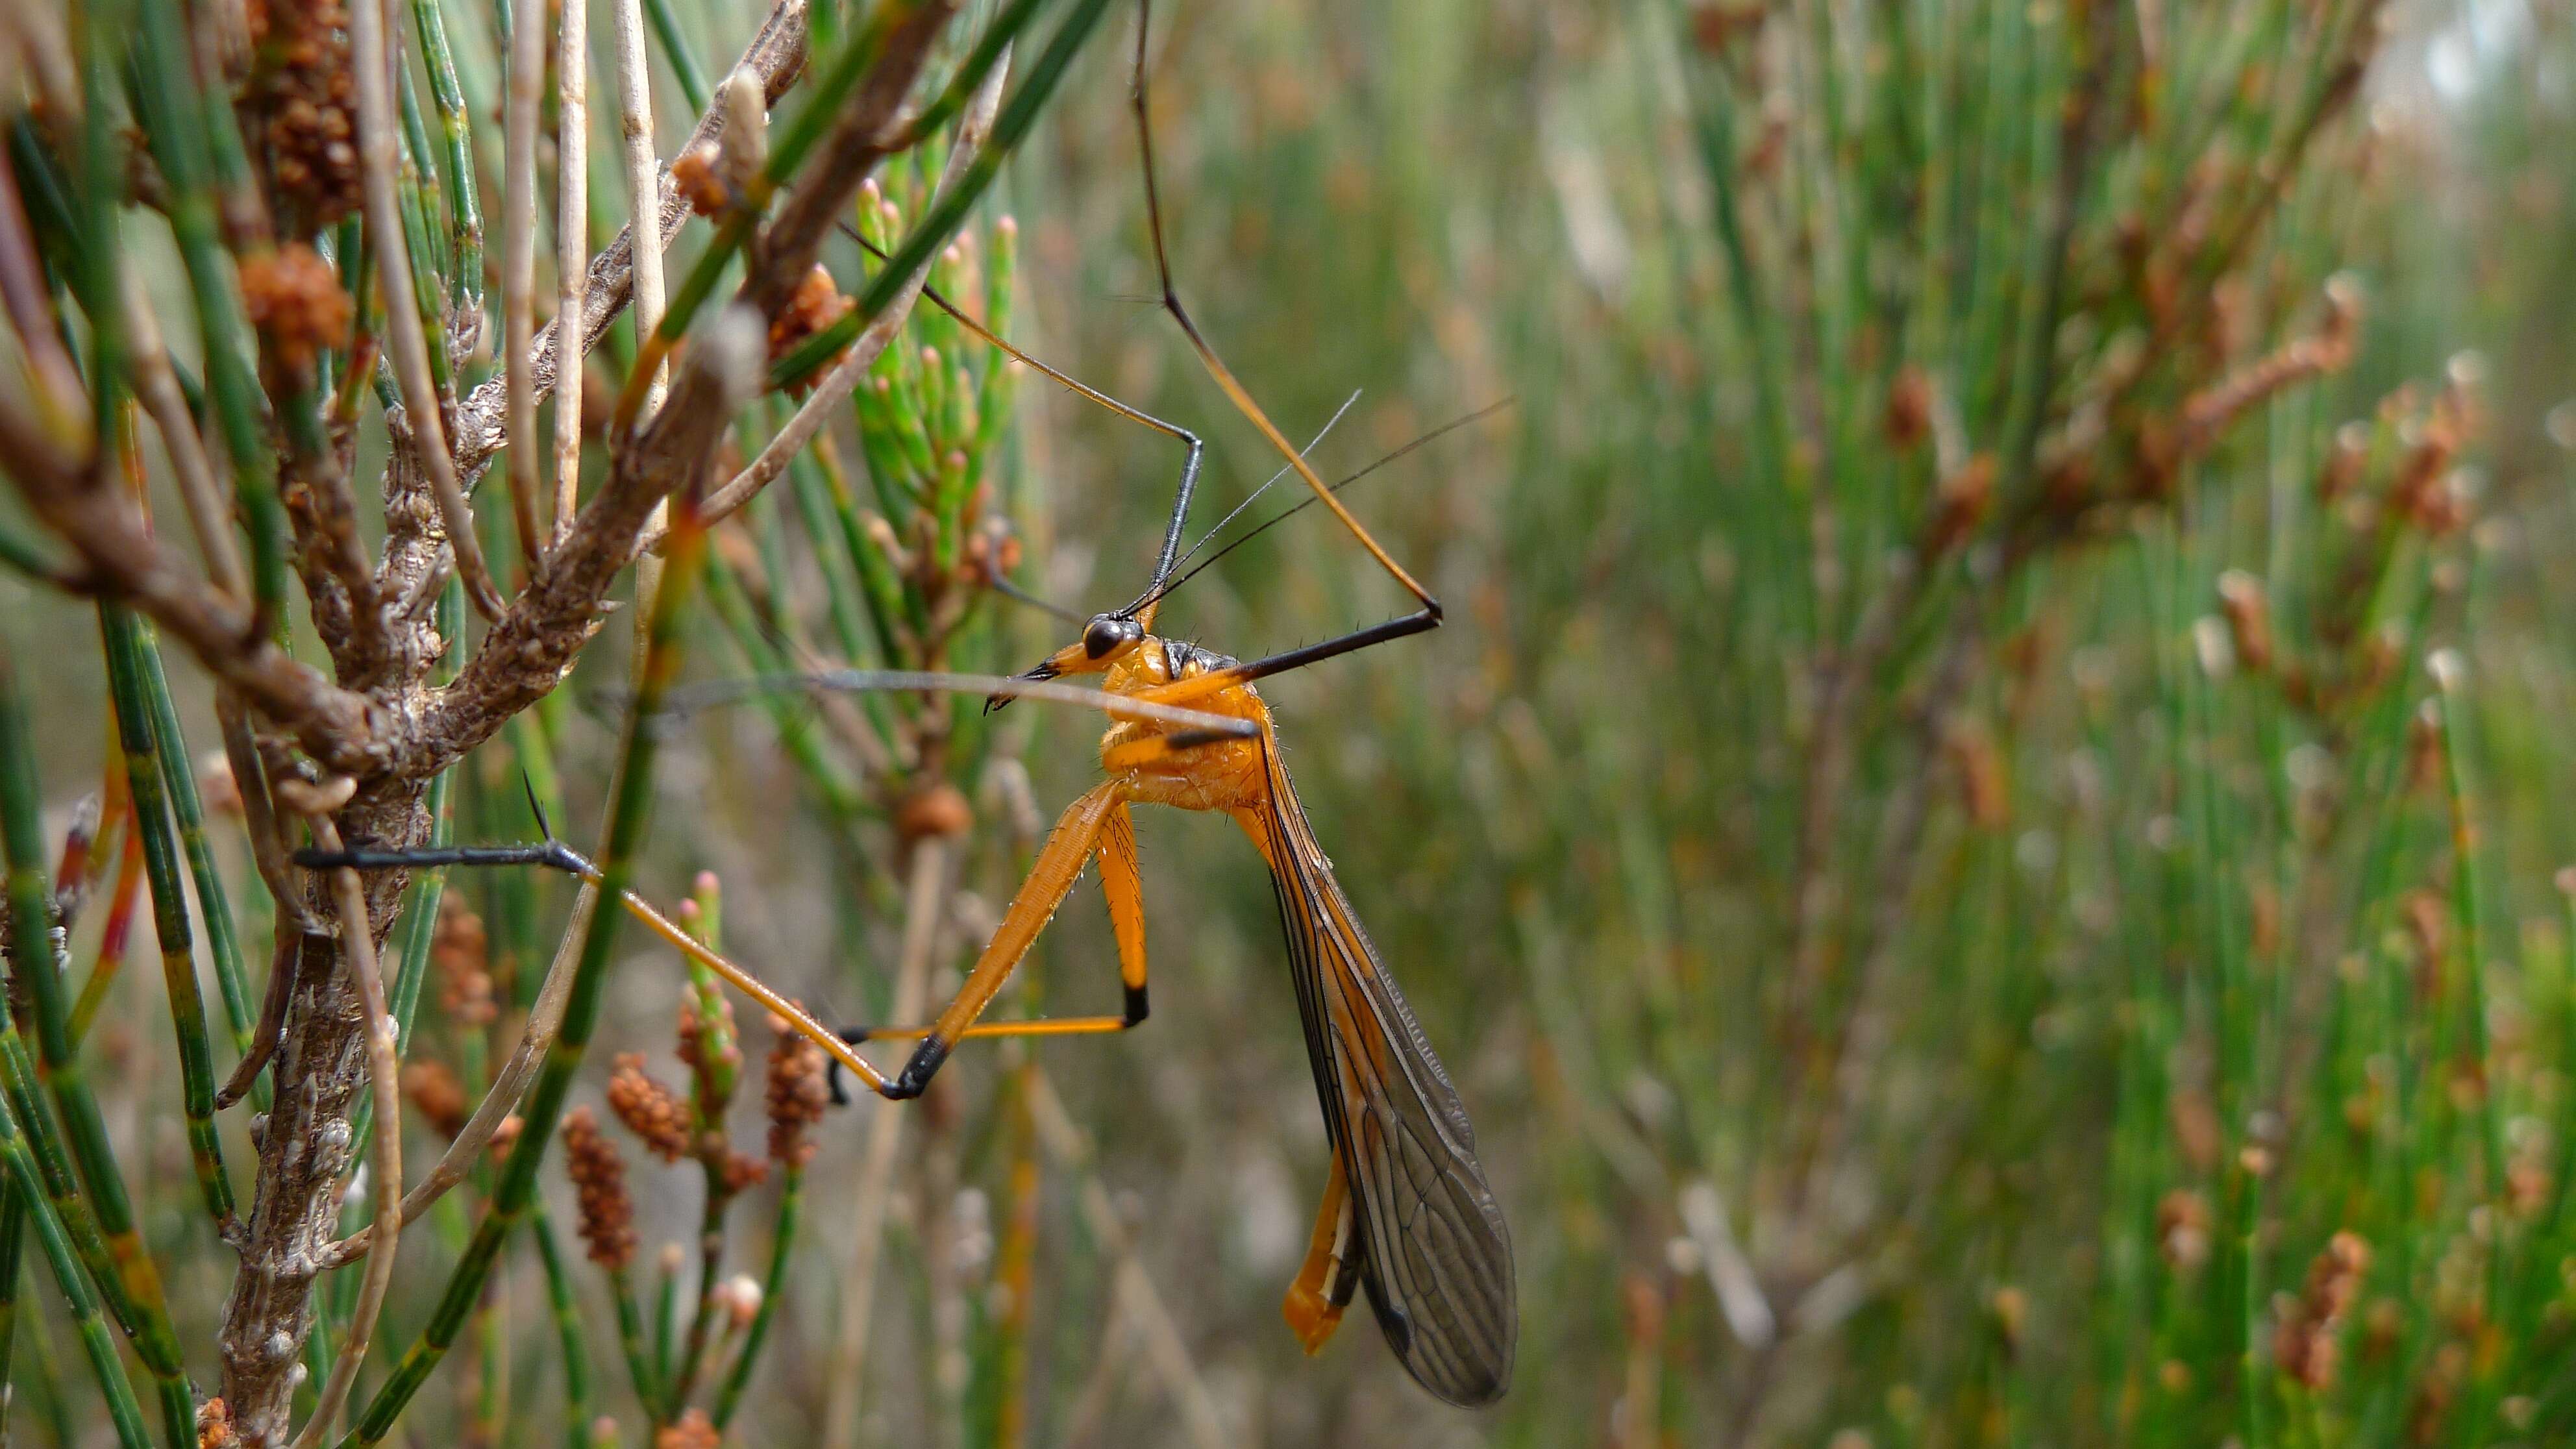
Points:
(1434, 1255)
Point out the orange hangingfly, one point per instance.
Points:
(1407, 1214)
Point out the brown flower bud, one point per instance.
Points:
(694, 175)
(939, 809)
(598, 1173)
(817, 304)
(2424, 765)
(796, 1094)
(710, 1048)
(742, 1172)
(293, 297)
(2249, 619)
(462, 954)
(2304, 1339)
(307, 95)
(657, 1115)
(1715, 27)
(2012, 1314)
(215, 1425)
(2182, 1229)
(2344, 462)
(1972, 751)
(434, 1092)
(1959, 505)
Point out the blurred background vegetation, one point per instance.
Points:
(1980, 840)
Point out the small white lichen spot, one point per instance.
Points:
(2449, 670)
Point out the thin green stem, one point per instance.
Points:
(142, 725)
(773, 1287)
(630, 1340)
(38, 972)
(681, 55)
(456, 128)
(28, 1193)
(666, 1311)
(702, 1317)
(169, 104)
(214, 902)
(39, 562)
(13, 1241)
(567, 1315)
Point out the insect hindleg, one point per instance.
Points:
(1429, 611)
(1315, 1301)
(1058, 866)
(1125, 891)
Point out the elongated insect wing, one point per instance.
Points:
(1433, 1253)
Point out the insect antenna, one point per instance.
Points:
(1442, 431)
(1166, 560)
(1255, 495)
(1003, 586)
(1160, 586)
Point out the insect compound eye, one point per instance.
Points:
(1106, 633)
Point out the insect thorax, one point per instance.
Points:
(1214, 775)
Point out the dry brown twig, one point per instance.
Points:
(635, 108)
(527, 64)
(643, 178)
(572, 247)
(502, 1098)
(384, 1073)
(527, 651)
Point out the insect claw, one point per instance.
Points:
(545, 828)
(1043, 670)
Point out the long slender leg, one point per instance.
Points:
(1125, 891)
(1142, 609)
(1163, 583)
(1116, 706)
(1058, 866)
(1315, 1301)
(555, 855)
(1126, 894)
(1199, 686)
(1429, 613)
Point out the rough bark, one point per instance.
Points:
(410, 730)
(305, 1145)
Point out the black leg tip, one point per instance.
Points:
(915, 1077)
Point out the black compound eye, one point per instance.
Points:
(1106, 633)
